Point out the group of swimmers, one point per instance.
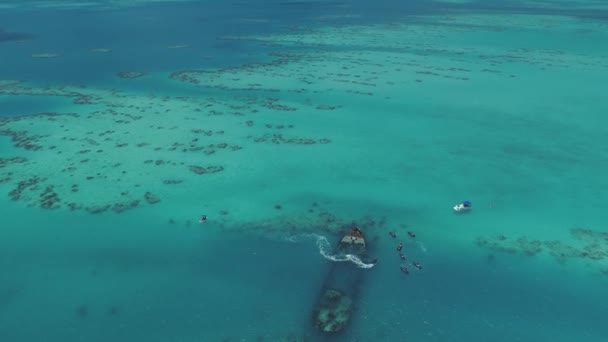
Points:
(402, 256)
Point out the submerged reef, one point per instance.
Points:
(121, 147)
(7, 161)
(586, 244)
(131, 74)
(199, 170)
(278, 139)
(313, 219)
(110, 157)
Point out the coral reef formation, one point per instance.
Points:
(122, 133)
(586, 244)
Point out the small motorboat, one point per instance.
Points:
(464, 206)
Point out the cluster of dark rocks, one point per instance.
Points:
(49, 198)
(200, 170)
(278, 139)
(15, 160)
(151, 198)
(5, 177)
(15, 194)
(278, 126)
(120, 207)
(21, 139)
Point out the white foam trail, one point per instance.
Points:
(421, 246)
(325, 251)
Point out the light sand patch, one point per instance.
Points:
(178, 46)
(45, 55)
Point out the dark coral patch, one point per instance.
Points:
(151, 198)
(15, 160)
(199, 170)
(49, 198)
(594, 245)
(98, 209)
(15, 194)
(120, 207)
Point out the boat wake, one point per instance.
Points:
(325, 250)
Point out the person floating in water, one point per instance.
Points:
(411, 234)
(203, 219)
(417, 265)
(402, 256)
(392, 234)
(400, 247)
(404, 270)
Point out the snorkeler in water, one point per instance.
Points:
(400, 247)
(392, 234)
(404, 270)
(417, 265)
(402, 256)
(411, 234)
(203, 219)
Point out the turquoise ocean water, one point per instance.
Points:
(305, 117)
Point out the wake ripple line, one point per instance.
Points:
(325, 250)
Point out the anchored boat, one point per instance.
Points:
(340, 290)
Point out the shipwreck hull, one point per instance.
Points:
(339, 294)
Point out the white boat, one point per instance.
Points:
(464, 206)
